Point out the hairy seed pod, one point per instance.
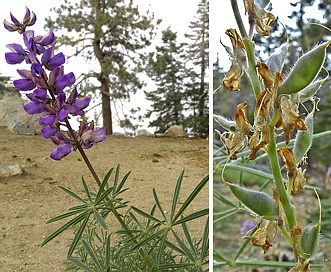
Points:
(306, 94)
(259, 202)
(305, 70)
(225, 123)
(304, 139)
(310, 236)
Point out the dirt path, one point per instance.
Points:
(28, 201)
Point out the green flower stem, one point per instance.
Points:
(239, 21)
(251, 70)
(81, 151)
(284, 198)
(272, 153)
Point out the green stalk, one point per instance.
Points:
(239, 21)
(251, 70)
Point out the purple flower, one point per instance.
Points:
(17, 55)
(47, 39)
(64, 81)
(76, 106)
(50, 61)
(46, 77)
(89, 136)
(61, 151)
(246, 227)
(25, 84)
(48, 131)
(28, 20)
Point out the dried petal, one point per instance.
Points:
(290, 117)
(261, 112)
(264, 236)
(241, 119)
(231, 80)
(265, 75)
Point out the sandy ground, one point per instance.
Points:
(29, 200)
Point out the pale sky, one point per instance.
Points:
(174, 13)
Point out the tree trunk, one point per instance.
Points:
(106, 106)
(103, 78)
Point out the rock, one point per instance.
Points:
(12, 170)
(144, 132)
(175, 131)
(13, 116)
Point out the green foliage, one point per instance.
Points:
(179, 72)
(167, 69)
(146, 241)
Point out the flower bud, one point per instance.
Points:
(305, 70)
(310, 236)
(259, 202)
(304, 138)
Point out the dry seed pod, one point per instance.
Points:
(310, 236)
(305, 70)
(260, 203)
(304, 139)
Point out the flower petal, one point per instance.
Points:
(24, 84)
(62, 151)
(48, 131)
(13, 58)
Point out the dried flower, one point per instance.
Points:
(232, 78)
(290, 117)
(258, 16)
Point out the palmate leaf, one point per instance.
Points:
(67, 225)
(79, 233)
(190, 198)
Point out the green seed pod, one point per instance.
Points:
(225, 123)
(305, 94)
(305, 70)
(310, 237)
(259, 202)
(304, 139)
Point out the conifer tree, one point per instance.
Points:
(197, 55)
(167, 69)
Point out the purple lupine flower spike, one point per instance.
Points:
(48, 81)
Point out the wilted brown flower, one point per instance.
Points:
(262, 19)
(259, 139)
(241, 119)
(264, 235)
(234, 142)
(290, 117)
(265, 75)
(232, 78)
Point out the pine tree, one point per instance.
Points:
(167, 69)
(198, 55)
(113, 32)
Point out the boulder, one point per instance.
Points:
(13, 116)
(144, 132)
(175, 131)
(12, 170)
